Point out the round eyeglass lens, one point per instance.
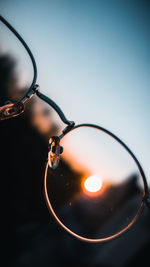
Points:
(16, 69)
(96, 192)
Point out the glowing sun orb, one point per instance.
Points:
(93, 184)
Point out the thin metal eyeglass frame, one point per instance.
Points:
(143, 200)
(14, 109)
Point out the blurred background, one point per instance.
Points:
(93, 59)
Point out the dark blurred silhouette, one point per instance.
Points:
(7, 65)
(22, 160)
(29, 236)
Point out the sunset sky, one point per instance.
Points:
(93, 59)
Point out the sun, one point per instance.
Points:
(93, 184)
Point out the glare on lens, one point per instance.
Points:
(93, 184)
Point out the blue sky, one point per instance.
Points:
(93, 59)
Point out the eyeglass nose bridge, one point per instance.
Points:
(11, 110)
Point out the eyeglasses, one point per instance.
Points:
(94, 185)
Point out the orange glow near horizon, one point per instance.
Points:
(92, 185)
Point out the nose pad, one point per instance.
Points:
(55, 151)
(11, 110)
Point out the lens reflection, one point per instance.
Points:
(16, 71)
(93, 184)
(97, 189)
